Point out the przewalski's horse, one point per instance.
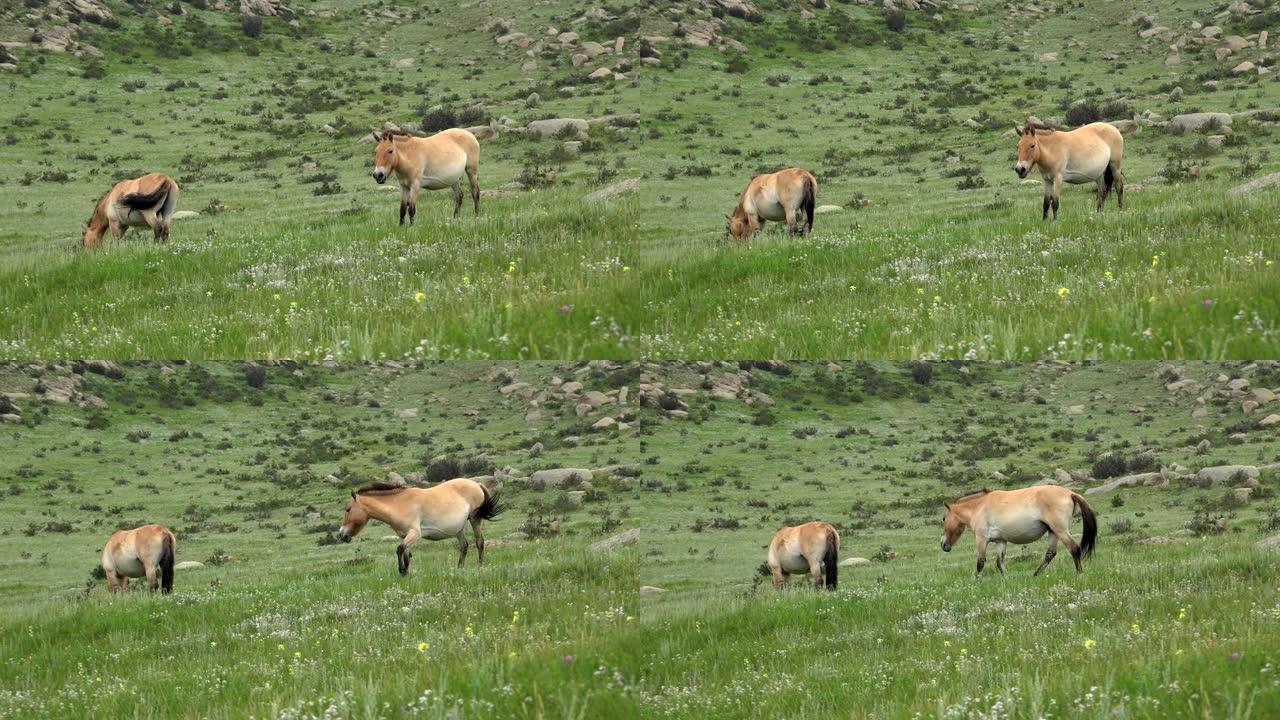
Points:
(813, 548)
(148, 200)
(1090, 153)
(775, 196)
(434, 513)
(435, 162)
(1021, 517)
(143, 551)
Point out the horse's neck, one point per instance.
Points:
(380, 509)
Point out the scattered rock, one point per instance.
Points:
(184, 215)
(1192, 122)
(623, 538)
(651, 590)
(849, 562)
(629, 185)
(1256, 184)
(1073, 410)
(1268, 421)
(824, 209)
(1226, 473)
(559, 476)
(548, 128)
(1270, 543)
(188, 565)
(1126, 481)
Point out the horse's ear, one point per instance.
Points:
(1017, 130)
(353, 494)
(947, 506)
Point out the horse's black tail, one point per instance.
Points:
(490, 508)
(808, 200)
(142, 201)
(166, 564)
(1109, 178)
(831, 560)
(1090, 537)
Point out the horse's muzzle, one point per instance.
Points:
(946, 546)
(380, 177)
(1022, 172)
(343, 535)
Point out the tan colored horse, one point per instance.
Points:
(813, 547)
(143, 551)
(775, 196)
(434, 513)
(1090, 153)
(145, 201)
(1021, 517)
(435, 162)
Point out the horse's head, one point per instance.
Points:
(1028, 151)
(92, 234)
(953, 526)
(384, 157)
(354, 521)
(738, 225)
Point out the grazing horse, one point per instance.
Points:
(775, 196)
(813, 547)
(141, 551)
(433, 163)
(1090, 153)
(148, 200)
(1021, 516)
(436, 513)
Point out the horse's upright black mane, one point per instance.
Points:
(380, 489)
(972, 494)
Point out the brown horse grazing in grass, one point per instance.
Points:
(1090, 153)
(148, 200)
(435, 162)
(143, 551)
(775, 196)
(1021, 516)
(813, 547)
(436, 513)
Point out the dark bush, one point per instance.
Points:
(255, 375)
(895, 19)
(251, 25)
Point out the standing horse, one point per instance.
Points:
(141, 551)
(813, 547)
(433, 163)
(1091, 153)
(436, 513)
(148, 200)
(1021, 516)
(775, 196)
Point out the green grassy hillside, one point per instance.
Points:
(936, 248)
(252, 468)
(1174, 616)
(297, 252)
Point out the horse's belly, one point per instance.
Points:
(771, 210)
(793, 562)
(130, 567)
(1018, 530)
(1086, 171)
(437, 183)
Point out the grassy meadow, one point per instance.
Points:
(281, 620)
(1176, 615)
(297, 252)
(938, 249)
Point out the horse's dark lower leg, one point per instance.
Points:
(413, 211)
(402, 559)
(404, 208)
(462, 552)
(1075, 555)
(1055, 208)
(457, 200)
(982, 562)
(1047, 203)
(1048, 558)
